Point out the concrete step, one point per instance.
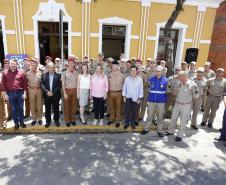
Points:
(73, 129)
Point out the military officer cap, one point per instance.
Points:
(200, 69)
(138, 61)
(163, 62)
(150, 60)
(220, 69)
(159, 68)
(34, 60)
(207, 64)
(92, 59)
(110, 59)
(48, 58)
(193, 62)
(71, 59)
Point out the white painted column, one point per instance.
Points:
(199, 25)
(145, 5)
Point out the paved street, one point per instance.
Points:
(105, 159)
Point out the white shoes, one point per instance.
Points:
(95, 122)
(101, 122)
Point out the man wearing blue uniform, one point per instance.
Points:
(156, 100)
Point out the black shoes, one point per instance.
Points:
(144, 132)
(160, 134)
(168, 134)
(16, 127)
(154, 122)
(136, 123)
(40, 122)
(117, 124)
(57, 124)
(178, 139)
(210, 125)
(126, 126)
(47, 125)
(73, 123)
(23, 125)
(33, 123)
(68, 124)
(133, 126)
(220, 139)
(203, 124)
(194, 127)
(109, 122)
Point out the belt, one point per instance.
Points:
(116, 91)
(183, 103)
(35, 88)
(214, 96)
(72, 89)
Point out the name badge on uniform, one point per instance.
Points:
(185, 90)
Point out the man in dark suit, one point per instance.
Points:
(51, 86)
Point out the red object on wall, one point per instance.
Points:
(217, 52)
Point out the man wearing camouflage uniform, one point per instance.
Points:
(215, 90)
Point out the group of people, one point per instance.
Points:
(123, 88)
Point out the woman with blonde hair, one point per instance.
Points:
(83, 88)
(98, 92)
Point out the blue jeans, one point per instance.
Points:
(17, 105)
(223, 131)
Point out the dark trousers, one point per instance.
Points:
(130, 111)
(98, 104)
(16, 102)
(52, 103)
(223, 131)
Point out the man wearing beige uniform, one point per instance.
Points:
(116, 79)
(215, 90)
(69, 84)
(192, 70)
(186, 93)
(172, 87)
(27, 101)
(208, 73)
(34, 76)
(201, 83)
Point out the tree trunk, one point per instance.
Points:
(168, 41)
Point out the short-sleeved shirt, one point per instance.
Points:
(209, 74)
(202, 85)
(116, 80)
(34, 78)
(216, 87)
(69, 79)
(187, 92)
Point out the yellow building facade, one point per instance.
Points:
(137, 24)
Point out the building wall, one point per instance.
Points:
(197, 20)
(217, 53)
